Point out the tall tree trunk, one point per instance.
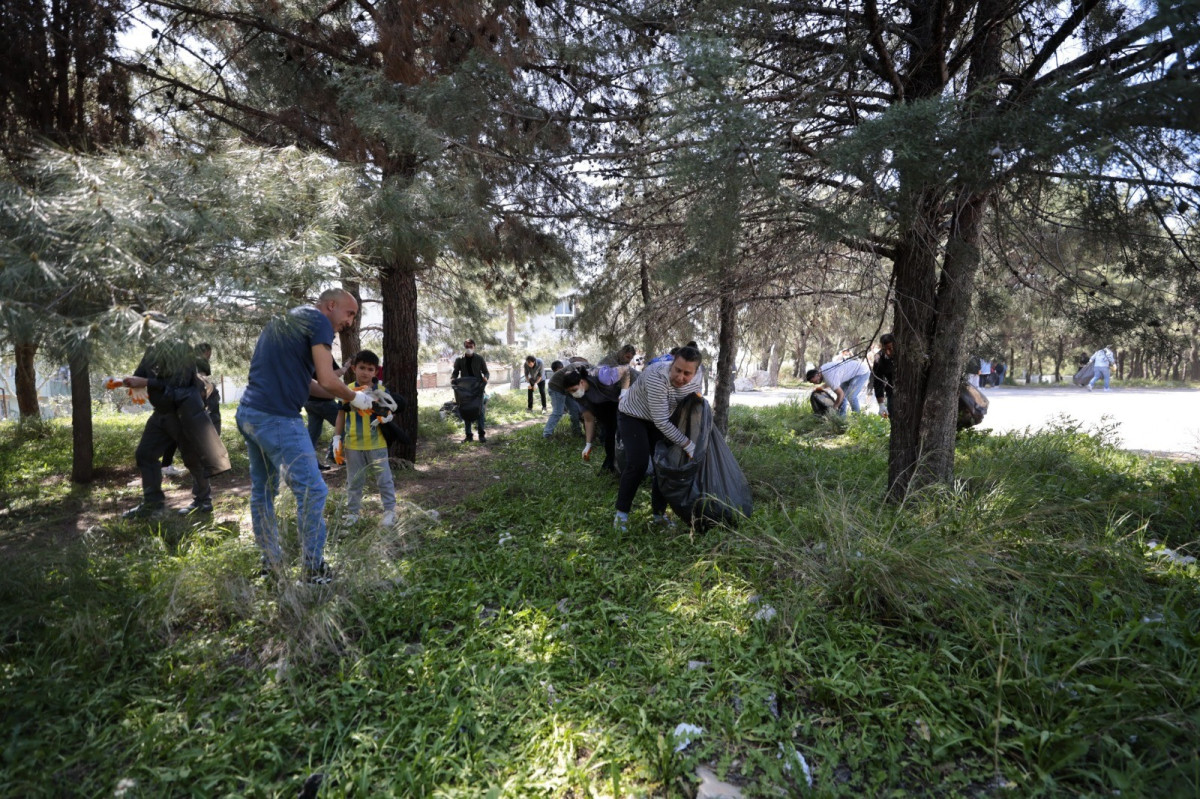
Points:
(775, 362)
(82, 452)
(398, 288)
(727, 351)
(350, 339)
(26, 381)
(510, 330)
(649, 331)
(798, 356)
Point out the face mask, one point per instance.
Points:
(469, 351)
(577, 392)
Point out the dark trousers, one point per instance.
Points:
(542, 388)
(606, 414)
(163, 429)
(318, 412)
(639, 437)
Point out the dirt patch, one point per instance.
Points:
(446, 473)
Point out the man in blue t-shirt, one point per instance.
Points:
(293, 358)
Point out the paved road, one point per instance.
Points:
(1162, 421)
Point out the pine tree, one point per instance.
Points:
(423, 99)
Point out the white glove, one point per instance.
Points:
(378, 420)
(362, 401)
(587, 452)
(690, 449)
(883, 410)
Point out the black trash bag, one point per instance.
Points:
(972, 406)
(450, 409)
(392, 432)
(822, 401)
(1084, 375)
(709, 488)
(468, 393)
(724, 491)
(197, 432)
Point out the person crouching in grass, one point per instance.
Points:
(359, 441)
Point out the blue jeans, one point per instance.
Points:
(1101, 371)
(560, 403)
(853, 388)
(279, 446)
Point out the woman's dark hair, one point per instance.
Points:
(810, 374)
(687, 353)
(554, 367)
(886, 338)
(367, 357)
(573, 378)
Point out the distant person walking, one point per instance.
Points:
(1102, 361)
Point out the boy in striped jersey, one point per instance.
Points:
(359, 440)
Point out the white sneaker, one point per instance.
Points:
(389, 518)
(173, 471)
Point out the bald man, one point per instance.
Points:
(293, 358)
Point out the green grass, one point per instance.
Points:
(1008, 630)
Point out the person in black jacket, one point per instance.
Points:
(472, 364)
(168, 372)
(883, 374)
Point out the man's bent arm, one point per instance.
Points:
(327, 378)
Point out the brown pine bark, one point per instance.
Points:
(398, 286)
(26, 381)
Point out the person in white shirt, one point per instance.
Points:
(1102, 360)
(846, 379)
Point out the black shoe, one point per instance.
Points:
(322, 575)
(143, 511)
(323, 466)
(196, 510)
(468, 438)
(482, 438)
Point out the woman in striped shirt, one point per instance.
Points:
(644, 418)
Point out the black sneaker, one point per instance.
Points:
(482, 438)
(143, 511)
(322, 575)
(323, 466)
(196, 510)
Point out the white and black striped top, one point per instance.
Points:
(653, 398)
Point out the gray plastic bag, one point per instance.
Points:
(709, 488)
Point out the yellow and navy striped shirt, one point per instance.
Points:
(358, 433)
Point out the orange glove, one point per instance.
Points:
(339, 451)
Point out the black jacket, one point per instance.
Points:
(474, 366)
(883, 378)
